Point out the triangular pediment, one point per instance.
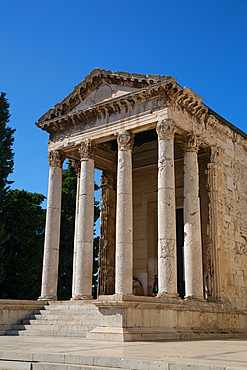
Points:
(103, 93)
(99, 86)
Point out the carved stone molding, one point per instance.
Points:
(87, 149)
(125, 140)
(216, 152)
(107, 179)
(106, 261)
(77, 167)
(214, 173)
(55, 159)
(193, 143)
(166, 129)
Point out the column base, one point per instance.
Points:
(194, 298)
(81, 297)
(168, 295)
(47, 298)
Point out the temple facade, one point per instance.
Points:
(173, 203)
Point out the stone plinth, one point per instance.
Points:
(127, 318)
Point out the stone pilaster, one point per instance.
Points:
(167, 256)
(214, 178)
(124, 216)
(77, 166)
(192, 221)
(107, 241)
(85, 222)
(52, 228)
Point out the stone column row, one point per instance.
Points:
(167, 265)
(84, 222)
(84, 219)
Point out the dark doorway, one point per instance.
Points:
(180, 251)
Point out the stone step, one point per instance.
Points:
(52, 326)
(46, 333)
(60, 319)
(60, 312)
(12, 332)
(69, 307)
(54, 316)
(70, 319)
(52, 365)
(20, 365)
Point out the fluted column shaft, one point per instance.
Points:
(77, 166)
(192, 221)
(52, 228)
(167, 256)
(124, 215)
(85, 222)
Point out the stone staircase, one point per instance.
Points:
(59, 319)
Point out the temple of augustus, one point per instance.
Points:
(173, 203)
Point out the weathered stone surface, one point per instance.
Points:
(192, 222)
(124, 216)
(202, 191)
(52, 229)
(107, 241)
(167, 261)
(84, 238)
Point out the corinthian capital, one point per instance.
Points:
(87, 149)
(166, 129)
(125, 140)
(193, 143)
(55, 159)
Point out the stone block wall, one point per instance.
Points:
(233, 230)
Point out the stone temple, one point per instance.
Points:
(174, 202)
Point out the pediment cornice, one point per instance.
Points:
(182, 98)
(91, 82)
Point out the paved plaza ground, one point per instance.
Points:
(38, 353)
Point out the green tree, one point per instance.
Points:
(6, 167)
(65, 272)
(22, 252)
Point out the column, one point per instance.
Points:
(52, 228)
(77, 166)
(192, 221)
(124, 216)
(107, 240)
(167, 255)
(85, 222)
(214, 183)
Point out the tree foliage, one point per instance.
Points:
(22, 252)
(22, 227)
(6, 164)
(22, 224)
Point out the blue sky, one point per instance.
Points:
(48, 47)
